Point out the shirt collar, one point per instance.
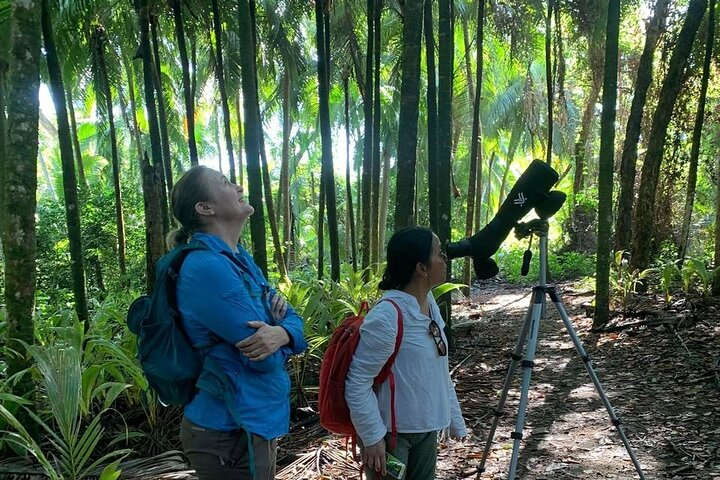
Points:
(213, 241)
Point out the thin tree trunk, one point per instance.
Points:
(375, 245)
(220, 74)
(162, 113)
(20, 184)
(75, 140)
(321, 229)
(328, 176)
(70, 191)
(216, 137)
(475, 139)
(104, 86)
(348, 184)
(3, 144)
(384, 197)
(253, 133)
(697, 133)
(367, 213)
(644, 218)
(156, 216)
(432, 114)
(607, 166)
(549, 80)
(272, 216)
(408, 128)
(238, 112)
(46, 177)
(468, 63)
(623, 230)
(176, 6)
(284, 203)
(129, 70)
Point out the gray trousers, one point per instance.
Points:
(217, 455)
(416, 450)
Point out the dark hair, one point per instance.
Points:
(406, 248)
(190, 189)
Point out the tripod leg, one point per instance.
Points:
(555, 297)
(515, 356)
(538, 306)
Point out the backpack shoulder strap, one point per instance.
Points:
(390, 376)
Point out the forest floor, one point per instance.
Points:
(658, 367)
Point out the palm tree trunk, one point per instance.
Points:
(446, 70)
(176, 6)
(607, 166)
(253, 133)
(384, 197)
(549, 80)
(697, 133)
(623, 230)
(431, 114)
(348, 184)
(375, 244)
(162, 112)
(20, 184)
(284, 201)
(476, 139)
(156, 209)
(72, 206)
(645, 214)
(407, 128)
(328, 176)
(238, 112)
(367, 213)
(272, 216)
(104, 84)
(75, 140)
(130, 72)
(321, 229)
(3, 144)
(220, 74)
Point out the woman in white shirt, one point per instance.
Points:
(425, 399)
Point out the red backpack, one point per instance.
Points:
(334, 412)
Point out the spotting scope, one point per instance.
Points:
(532, 190)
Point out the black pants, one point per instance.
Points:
(217, 455)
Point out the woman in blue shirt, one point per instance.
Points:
(230, 428)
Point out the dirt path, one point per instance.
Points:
(662, 380)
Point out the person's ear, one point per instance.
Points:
(421, 269)
(202, 208)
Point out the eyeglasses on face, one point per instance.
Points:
(437, 337)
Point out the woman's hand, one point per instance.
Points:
(374, 457)
(278, 307)
(264, 342)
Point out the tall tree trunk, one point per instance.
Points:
(384, 197)
(130, 72)
(549, 80)
(240, 168)
(104, 86)
(75, 140)
(284, 203)
(375, 244)
(607, 166)
(220, 74)
(446, 70)
(432, 114)
(644, 216)
(408, 122)
(623, 230)
(20, 184)
(475, 140)
(321, 229)
(468, 63)
(155, 201)
(3, 144)
(348, 184)
(272, 216)
(167, 178)
(216, 137)
(367, 214)
(253, 133)
(70, 192)
(328, 175)
(697, 132)
(176, 6)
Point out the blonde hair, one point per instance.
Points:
(190, 189)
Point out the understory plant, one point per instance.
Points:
(72, 401)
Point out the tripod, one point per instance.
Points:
(535, 313)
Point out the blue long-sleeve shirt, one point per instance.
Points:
(217, 297)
